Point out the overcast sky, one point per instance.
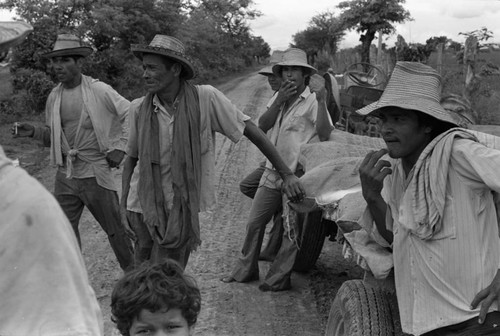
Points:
(281, 19)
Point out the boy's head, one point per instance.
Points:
(156, 297)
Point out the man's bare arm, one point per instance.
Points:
(291, 183)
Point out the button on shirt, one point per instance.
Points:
(437, 278)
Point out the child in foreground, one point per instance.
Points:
(156, 299)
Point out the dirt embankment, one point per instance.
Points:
(227, 309)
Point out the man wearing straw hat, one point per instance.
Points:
(250, 183)
(44, 287)
(433, 201)
(82, 115)
(172, 132)
(297, 114)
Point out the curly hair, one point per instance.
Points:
(155, 287)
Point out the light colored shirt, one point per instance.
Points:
(44, 286)
(437, 278)
(292, 129)
(100, 128)
(218, 114)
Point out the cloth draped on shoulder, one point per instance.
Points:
(176, 227)
(59, 142)
(430, 175)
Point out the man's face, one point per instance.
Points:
(66, 68)
(295, 75)
(274, 82)
(156, 75)
(170, 322)
(403, 134)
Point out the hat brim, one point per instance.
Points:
(189, 71)
(79, 51)
(268, 70)
(425, 106)
(13, 33)
(277, 67)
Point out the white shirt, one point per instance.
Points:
(437, 278)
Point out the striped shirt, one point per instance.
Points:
(437, 278)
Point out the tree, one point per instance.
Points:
(371, 16)
(323, 34)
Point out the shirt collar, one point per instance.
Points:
(158, 105)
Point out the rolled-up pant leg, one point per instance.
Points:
(264, 205)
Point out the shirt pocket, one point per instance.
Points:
(295, 123)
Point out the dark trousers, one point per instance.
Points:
(249, 186)
(74, 194)
(491, 326)
(147, 249)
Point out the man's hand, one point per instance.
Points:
(123, 216)
(372, 173)
(486, 297)
(287, 90)
(317, 85)
(115, 157)
(22, 130)
(293, 188)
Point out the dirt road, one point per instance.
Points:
(227, 309)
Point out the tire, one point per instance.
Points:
(360, 310)
(313, 235)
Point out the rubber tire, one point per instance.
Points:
(313, 236)
(360, 310)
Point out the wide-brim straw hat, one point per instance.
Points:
(412, 86)
(293, 57)
(276, 57)
(13, 33)
(68, 45)
(169, 47)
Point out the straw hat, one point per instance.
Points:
(13, 33)
(293, 57)
(68, 45)
(169, 47)
(412, 86)
(276, 57)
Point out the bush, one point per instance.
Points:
(33, 88)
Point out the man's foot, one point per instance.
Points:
(266, 288)
(228, 279)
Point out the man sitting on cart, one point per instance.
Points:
(434, 201)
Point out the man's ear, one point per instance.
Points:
(177, 69)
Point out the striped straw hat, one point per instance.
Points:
(12, 33)
(169, 47)
(412, 86)
(293, 57)
(276, 57)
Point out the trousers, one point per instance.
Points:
(249, 186)
(74, 194)
(491, 326)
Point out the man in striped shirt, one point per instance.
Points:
(434, 201)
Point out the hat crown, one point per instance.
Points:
(276, 57)
(67, 41)
(413, 80)
(168, 43)
(294, 56)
